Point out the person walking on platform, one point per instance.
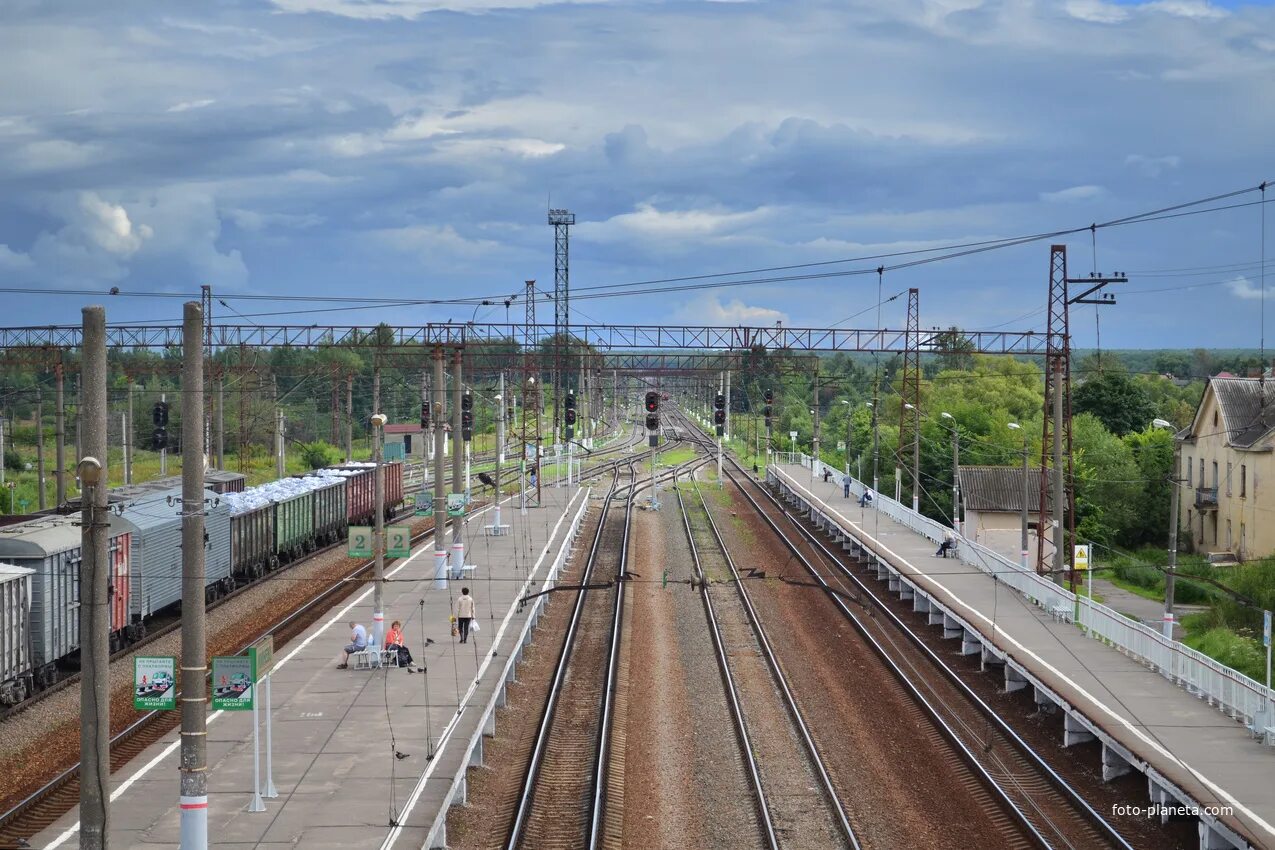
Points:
(464, 613)
(845, 485)
(358, 643)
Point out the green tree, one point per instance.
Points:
(319, 454)
(1107, 480)
(1119, 402)
(1152, 451)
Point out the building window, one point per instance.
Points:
(1215, 530)
(1228, 478)
(1201, 472)
(1243, 490)
(1190, 473)
(1228, 535)
(1215, 486)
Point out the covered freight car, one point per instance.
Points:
(156, 563)
(50, 545)
(15, 633)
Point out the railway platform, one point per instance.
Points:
(1194, 743)
(365, 758)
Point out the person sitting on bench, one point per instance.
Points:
(949, 542)
(358, 643)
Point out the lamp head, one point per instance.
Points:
(1161, 423)
(90, 470)
(379, 420)
(1013, 426)
(946, 415)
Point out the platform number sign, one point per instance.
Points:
(398, 541)
(154, 683)
(234, 680)
(360, 543)
(425, 503)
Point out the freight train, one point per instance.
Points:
(248, 534)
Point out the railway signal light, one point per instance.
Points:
(569, 416)
(719, 402)
(425, 415)
(467, 417)
(159, 439)
(652, 402)
(160, 414)
(652, 422)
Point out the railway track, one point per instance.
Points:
(572, 792)
(796, 803)
(43, 806)
(1042, 808)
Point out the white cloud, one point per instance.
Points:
(13, 261)
(435, 242)
(647, 221)
(109, 226)
(187, 105)
(1243, 288)
(1096, 11)
(1074, 193)
(708, 309)
(384, 9)
(522, 148)
(259, 221)
(45, 155)
(1152, 166)
(1186, 8)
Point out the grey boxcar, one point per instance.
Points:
(15, 633)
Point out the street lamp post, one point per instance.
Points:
(1014, 426)
(956, 467)
(1171, 572)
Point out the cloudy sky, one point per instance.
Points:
(409, 148)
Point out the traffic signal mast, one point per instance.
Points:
(653, 436)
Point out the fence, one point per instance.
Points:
(1224, 687)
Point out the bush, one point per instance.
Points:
(1244, 654)
(12, 459)
(319, 454)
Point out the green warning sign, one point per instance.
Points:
(154, 683)
(233, 681)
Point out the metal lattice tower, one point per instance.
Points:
(1057, 369)
(561, 221)
(909, 450)
(529, 386)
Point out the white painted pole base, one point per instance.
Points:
(440, 569)
(1167, 625)
(378, 628)
(257, 805)
(271, 792)
(194, 823)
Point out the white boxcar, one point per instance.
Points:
(156, 562)
(15, 633)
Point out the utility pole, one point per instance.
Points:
(1170, 575)
(496, 529)
(1026, 497)
(128, 436)
(440, 498)
(1060, 503)
(378, 538)
(221, 419)
(722, 389)
(163, 453)
(814, 463)
(956, 479)
(39, 449)
(95, 611)
(876, 440)
(194, 738)
(349, 416)
(458, 450)
(59, 431)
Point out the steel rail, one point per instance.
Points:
(843, 821)
(1060, 784)
(732, 690)
(1073, 797)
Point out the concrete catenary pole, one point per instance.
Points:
(39, 450)
(59, 431)
(349, 417)
(128, 436)
(221, 420)
(500, 453)
(956, 478)
(1060, 505)
(378, 538)
(95, 611)
(1170, 574)
(1027, 491)
(440, 461)
(458, 451)
(163, 453)
(194, 740)
(814, 463)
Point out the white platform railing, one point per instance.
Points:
(1228, 689)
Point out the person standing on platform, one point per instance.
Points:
(845, 485)
(464, 613)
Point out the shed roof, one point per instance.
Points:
(999, 488)
(1247, 406)
(407, 428)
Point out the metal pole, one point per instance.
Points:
(280, 446)
(1026, 497)
(440, 498)
(39, 449)
(378, 538)
(194, 739)
(458, 391)
(814, 464)
(956, 479)
(1060, 505)
(2, 471)
(349, 417)
(1171, 573)
(95, 611)
(124, 439)
(721, 384)
(876, 444)
(500, 454)
(257, 805)
(270, 792)
(59, 432)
